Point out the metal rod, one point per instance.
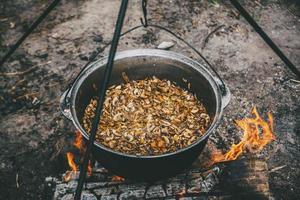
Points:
(265, 37)
(29, 31)
(102, 93)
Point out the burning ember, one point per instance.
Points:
(257, 134)
(78, 143)
(117, 178)
(181, 194)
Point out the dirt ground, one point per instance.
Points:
(34, 136)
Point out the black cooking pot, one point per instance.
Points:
(139, 64)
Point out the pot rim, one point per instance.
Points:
(200, 67)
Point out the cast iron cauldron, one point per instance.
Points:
(139, 64)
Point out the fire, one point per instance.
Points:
(72, 164)
(78, 143)
(117, 178)
(257, 134)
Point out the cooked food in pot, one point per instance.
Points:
(148, 117)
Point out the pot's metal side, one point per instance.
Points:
(148, 167)
(65, 105)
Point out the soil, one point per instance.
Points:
(34, 136)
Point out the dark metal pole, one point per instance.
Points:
(102, 93)
(265, 37)
(29, 31)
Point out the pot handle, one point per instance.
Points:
(223, 88)
(65, 104)
(225, 92)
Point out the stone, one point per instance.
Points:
(67, 197)
(155, 191)
(95, 185)
(88, 196)
(60, 190)
(193, 198)
(72, 186)
(165, 45)
(65, 188)
(104, 191)
(132, 191)
(194, 186)
(209, 182)
(174, 188)
(109, 197)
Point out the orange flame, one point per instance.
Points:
(72, 164)
(257, 134)
(117, 178)
(78, 143)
